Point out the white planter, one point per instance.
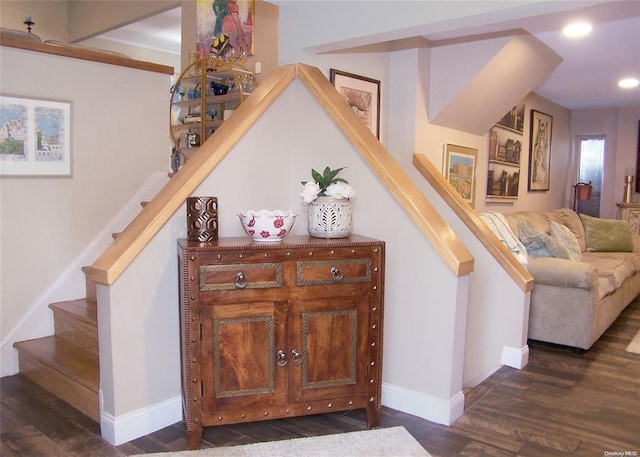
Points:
(329, 218)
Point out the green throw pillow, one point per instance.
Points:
(607, 235)
(540, 244)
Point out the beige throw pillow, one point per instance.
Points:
(607, 235)
(566, 238)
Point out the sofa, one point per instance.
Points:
(586, 271)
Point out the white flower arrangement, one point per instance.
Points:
(326, 184)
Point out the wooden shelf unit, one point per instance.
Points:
(195, 108)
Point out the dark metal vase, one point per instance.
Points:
(202, 219)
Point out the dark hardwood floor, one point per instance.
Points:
(561, 404)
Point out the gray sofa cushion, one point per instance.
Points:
(541, 244)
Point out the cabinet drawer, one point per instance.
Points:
(322, 272)
(240, 276)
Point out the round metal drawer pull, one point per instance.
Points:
(281, 359)
(336, 274)
(241, 280)
(296, 357)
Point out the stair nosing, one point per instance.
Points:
(63, 368)
(92, 319)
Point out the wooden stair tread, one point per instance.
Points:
(81, 309)
(78, 364)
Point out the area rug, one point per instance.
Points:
(634, 346)
(382, 442)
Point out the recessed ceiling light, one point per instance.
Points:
(628, 83)
(577, 29)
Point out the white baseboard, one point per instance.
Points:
(434, 409)
(142, 422)
(515, 357)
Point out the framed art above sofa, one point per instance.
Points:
(540, 150)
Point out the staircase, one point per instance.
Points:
(66, 364)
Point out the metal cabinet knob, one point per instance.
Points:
(296, 357)
(281, 359)
(241, 281)
(336, 274)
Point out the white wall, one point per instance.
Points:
(425, 303)
(119, 137)
(498, 310)
(49, 16)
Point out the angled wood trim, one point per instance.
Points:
(117, 257)
(489, 240)
(79, 52)
(444, 240)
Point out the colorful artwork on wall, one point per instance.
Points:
(460, 170)
(35, 137)
(231, 18)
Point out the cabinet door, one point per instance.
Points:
(240, 346)
(328, 347)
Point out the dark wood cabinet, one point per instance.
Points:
(273, 330)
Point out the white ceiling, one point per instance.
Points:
(161, 32)
(587, 77)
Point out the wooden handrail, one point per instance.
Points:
(115, 259)
(489, 240)
(79, 52)
(426, 218)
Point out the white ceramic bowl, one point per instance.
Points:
(267, 225)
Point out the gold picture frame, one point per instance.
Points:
(460, 165)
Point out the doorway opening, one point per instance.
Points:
(591, 159)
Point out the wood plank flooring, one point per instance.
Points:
(561, 404)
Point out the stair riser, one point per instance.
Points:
(77, 332)
(78, 396)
